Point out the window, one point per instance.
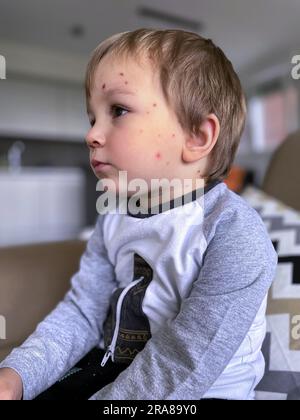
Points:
(273, 113)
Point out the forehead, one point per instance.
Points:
(118, 72)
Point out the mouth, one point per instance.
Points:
(100, 166)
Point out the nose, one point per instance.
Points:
(94, 138)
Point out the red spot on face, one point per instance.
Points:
(168, 163)
(103, 86)
(173, 135)
(158, 156)
(141, 131)
(126, 83)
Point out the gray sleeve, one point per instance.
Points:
(72, 328)
(184, 359)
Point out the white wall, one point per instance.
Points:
(43, 94)
(42, 109)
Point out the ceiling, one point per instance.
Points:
(248, 31)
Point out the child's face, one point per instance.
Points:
(134, 130)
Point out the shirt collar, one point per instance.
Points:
(187, 198)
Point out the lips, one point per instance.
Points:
(95, 163)
(99, 166)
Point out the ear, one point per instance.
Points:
(198, 147)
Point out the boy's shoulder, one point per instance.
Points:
(237, 242)
(224, 210)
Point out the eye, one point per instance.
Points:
(115, 109)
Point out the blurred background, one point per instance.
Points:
(47, 189)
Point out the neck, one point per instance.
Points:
(165, 194)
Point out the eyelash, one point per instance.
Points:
(113, 107)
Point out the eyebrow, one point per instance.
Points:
(112, 91)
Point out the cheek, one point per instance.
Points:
(153, 146)
(127, 150)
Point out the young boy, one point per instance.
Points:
(168, 305)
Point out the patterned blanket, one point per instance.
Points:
(282, 344)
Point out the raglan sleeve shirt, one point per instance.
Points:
(186, 356)
(188, 353)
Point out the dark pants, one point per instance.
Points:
(85, 379)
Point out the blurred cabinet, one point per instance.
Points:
(41, 205)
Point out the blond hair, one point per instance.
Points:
(196, 78)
